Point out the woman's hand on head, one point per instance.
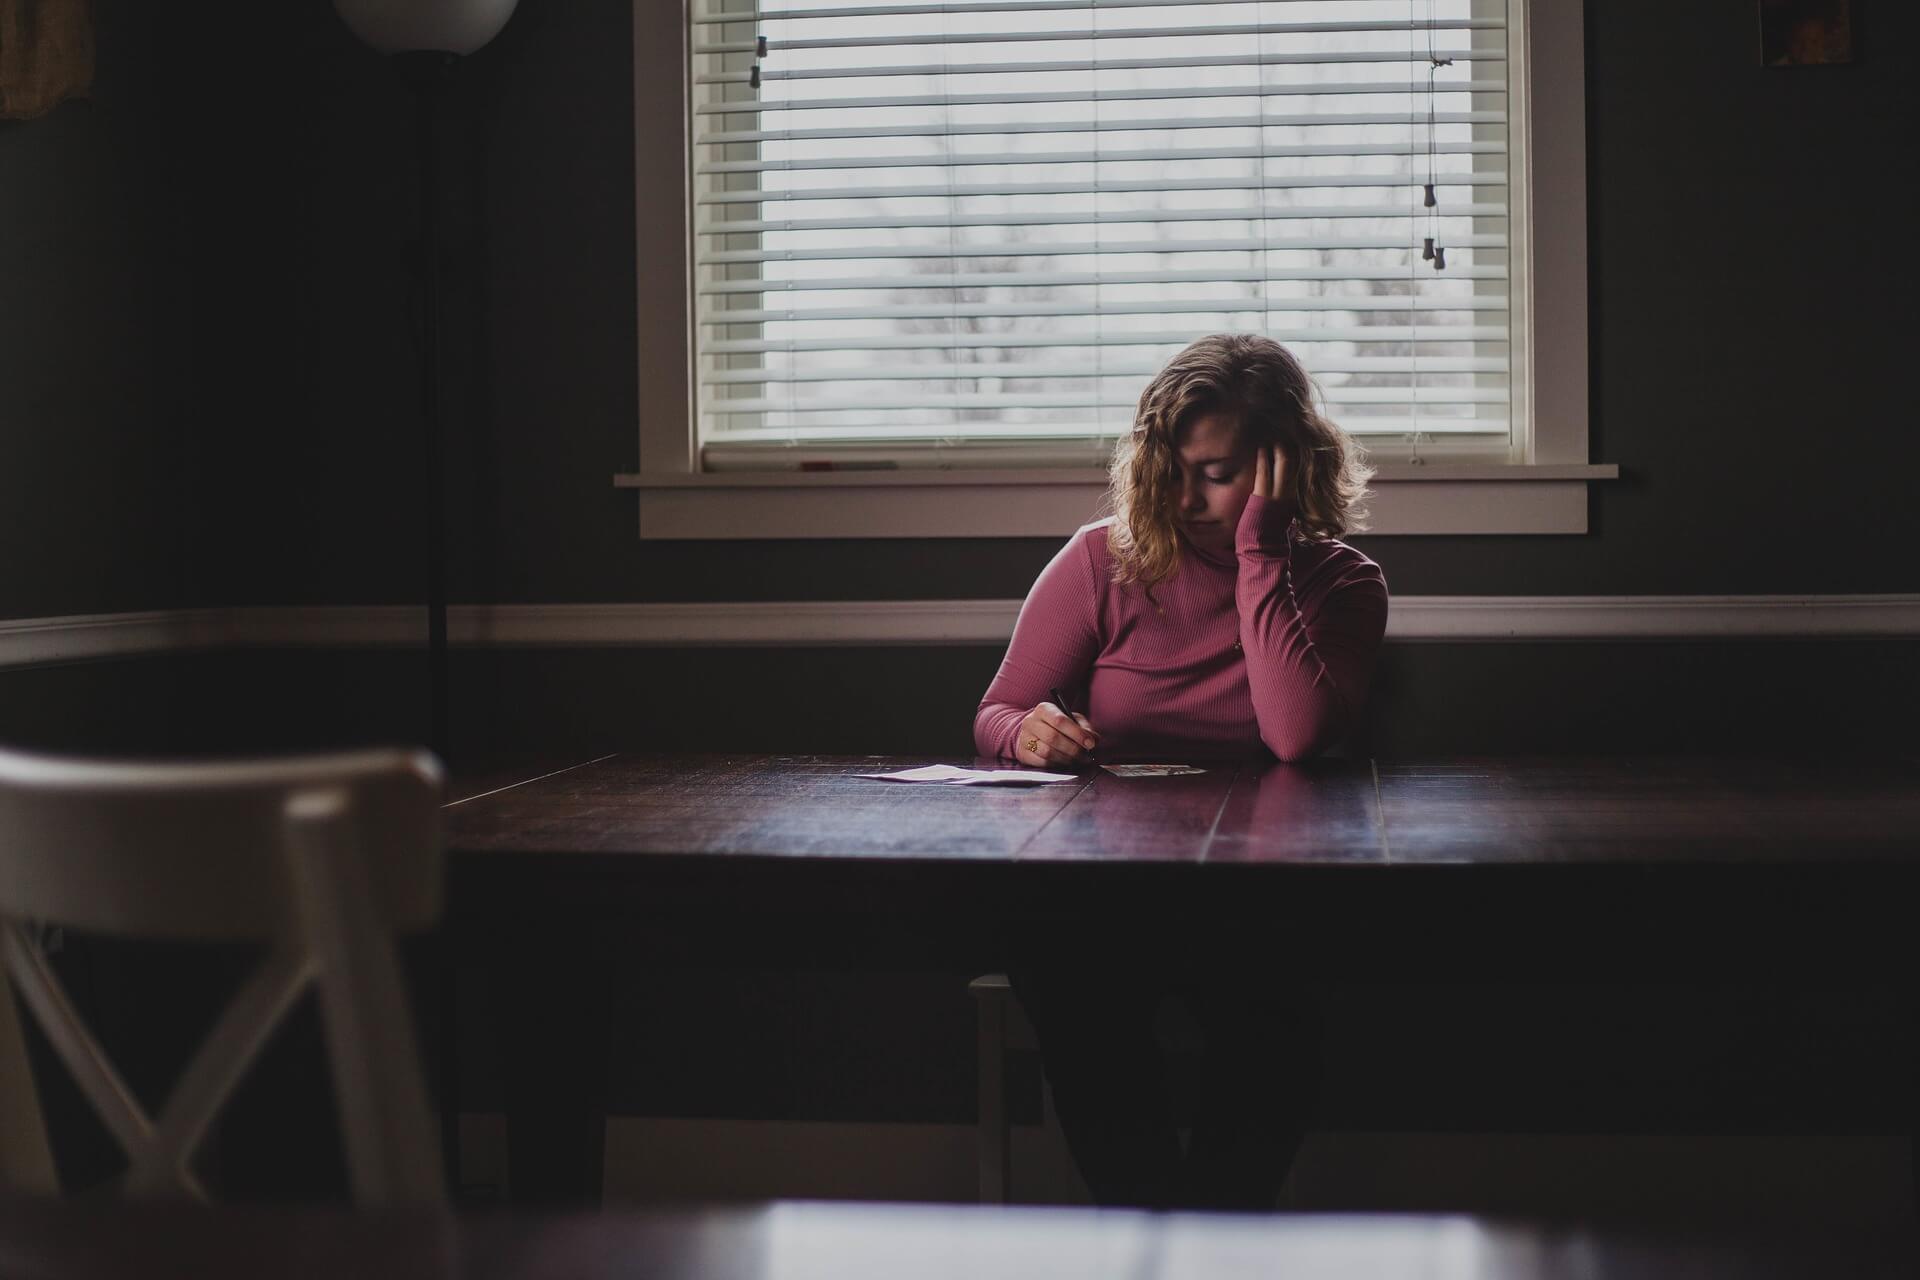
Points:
(1049, 736)
(1270, 471)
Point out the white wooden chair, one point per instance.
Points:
(323, 858)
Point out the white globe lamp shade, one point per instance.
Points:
(425, 26)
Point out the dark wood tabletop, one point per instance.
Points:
(1595, 811)
(1556, 854)
(801, 1241)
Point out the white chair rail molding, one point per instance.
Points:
(25, 641)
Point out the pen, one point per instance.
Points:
(1060, 701)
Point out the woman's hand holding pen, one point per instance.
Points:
(1049, 736)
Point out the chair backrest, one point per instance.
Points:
(322, 857)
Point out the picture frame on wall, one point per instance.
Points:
(1802, 33)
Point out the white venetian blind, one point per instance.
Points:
(968, 233)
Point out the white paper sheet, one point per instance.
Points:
(1151, 770)
(954, 776)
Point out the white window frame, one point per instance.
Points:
(1543, 490)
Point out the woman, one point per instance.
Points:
(1215, 614)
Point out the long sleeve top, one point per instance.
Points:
(1270, 646)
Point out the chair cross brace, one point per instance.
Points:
(158, 1154)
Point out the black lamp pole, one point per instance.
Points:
(426, 73)
(425, 38)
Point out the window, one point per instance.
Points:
(941, 247)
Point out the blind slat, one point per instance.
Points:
(960, 189)
(1351, 57)
(1358, 334)
(1118, 367)
(777, 45)
(937, 130)
(1018, 444)
(1062, 279)
(1156, 306)
(1089, 218)
(1071, 249)
(1169, 155)
(1141, 93)
(954, 9)
(1071, 400)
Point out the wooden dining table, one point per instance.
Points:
(1654, 868)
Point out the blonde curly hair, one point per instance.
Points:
(1270, 397)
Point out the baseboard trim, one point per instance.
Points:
(25, 641)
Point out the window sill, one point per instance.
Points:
(1407, 499)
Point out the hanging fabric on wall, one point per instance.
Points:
(46, 55)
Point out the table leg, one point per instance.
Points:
(551, 986)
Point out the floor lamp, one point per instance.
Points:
(425, 39)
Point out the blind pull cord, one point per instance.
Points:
(1436, 254)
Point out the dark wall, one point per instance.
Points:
(97, 341)
(204, 353)
(207, 373)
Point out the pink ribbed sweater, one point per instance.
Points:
(1270, 646)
